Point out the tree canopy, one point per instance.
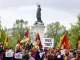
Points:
(20, 26)
(55, 30)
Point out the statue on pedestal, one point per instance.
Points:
(38, 16)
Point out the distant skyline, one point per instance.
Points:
(64, 11)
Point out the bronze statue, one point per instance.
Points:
(38, 15)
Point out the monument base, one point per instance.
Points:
(38, 23)
(39, 28)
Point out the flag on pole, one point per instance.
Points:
(26, 37)
(0, 34)
(18, 41)
(27, 34)
(38, 40)
(78, 43)
(64, 41)
(6, 40)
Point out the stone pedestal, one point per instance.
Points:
(37, 29)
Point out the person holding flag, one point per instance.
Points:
(17, 49)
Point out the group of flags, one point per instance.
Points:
(63, 40)
(26, 38)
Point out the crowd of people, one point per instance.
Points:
(31, 52)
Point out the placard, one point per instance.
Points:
(9, 54)
(18, 55)
(48, 42)
(62, 52)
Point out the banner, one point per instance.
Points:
(62, 52)
(18, 55)
(48, 42)
(9, 54)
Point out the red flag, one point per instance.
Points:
(38, 40)
(27, 34)
(64, 41)
(78, 43)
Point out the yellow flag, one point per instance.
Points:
(0, 34)
(6, 40)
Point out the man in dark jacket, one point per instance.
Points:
(37, 56)
(50, 57)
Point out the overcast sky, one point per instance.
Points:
(64, 11)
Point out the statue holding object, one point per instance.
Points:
(38, 15)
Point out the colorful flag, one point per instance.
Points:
(0, 34)
(38, 40)
(27, 34)
(1, 56)
(6, 40)
(64, 41)
(78, 43)
(26, 37)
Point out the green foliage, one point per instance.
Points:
(12, 42)
(55, 30)
(74, 32)
(20, 26)
(2, 33)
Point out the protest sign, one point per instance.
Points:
(48, 42)
(18, 55)
(62, 52)
(9, 54)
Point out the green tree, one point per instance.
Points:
(20, 26)
(2, 30)
(74, 32)
(55, 30)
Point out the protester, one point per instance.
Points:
(59, 56)
(74, 56)
(78, 54)
(34, 53)
(37, 55)
(1, 53)
(41, 54)
(9, 54)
